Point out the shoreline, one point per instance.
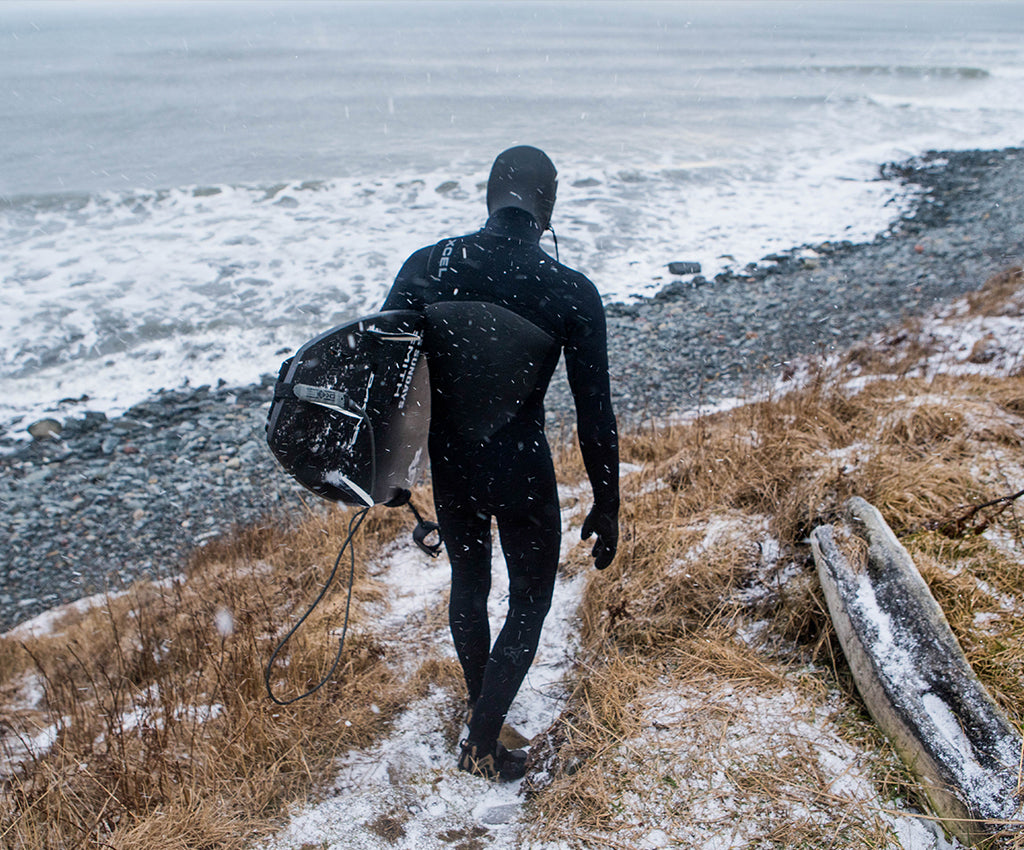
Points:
(743, 330)
(129, 497)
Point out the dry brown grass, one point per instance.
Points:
(902, 444)
(667, 591)
(575, 754)
(1001, 295)
(164, 735)
(709, 749)
(677, 606)
(900, 353)
(972, 581)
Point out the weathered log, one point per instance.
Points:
(917, 684)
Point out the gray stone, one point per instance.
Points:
(45, 429)
(668, 355)
(684, 267)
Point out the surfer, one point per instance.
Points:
(499, 312)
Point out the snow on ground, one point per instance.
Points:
(722, 765)
(964, 344)
(956, 341)
(46, 623)
(405, 792)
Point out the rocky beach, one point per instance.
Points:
(106, 501)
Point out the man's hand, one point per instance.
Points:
(604, 523)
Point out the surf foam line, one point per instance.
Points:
(112, 297)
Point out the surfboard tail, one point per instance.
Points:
(351, 410)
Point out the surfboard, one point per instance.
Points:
(351, 410)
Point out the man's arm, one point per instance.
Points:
(586, 359)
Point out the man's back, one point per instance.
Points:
(503, 265)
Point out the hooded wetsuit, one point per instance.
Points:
(499, 313)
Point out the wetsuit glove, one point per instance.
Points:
(604, 523)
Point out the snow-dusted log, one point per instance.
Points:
(915, 681)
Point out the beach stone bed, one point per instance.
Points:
(111, 500)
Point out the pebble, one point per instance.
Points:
(691, 345)
(101, 502)
(45, 429)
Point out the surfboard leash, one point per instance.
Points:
(353, 527)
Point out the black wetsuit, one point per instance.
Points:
(489, 456)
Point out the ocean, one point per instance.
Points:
(190, 190)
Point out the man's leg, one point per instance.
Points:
(531, 545)
(467, 540)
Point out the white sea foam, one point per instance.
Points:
(126, 294)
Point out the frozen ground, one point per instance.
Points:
(405, 792)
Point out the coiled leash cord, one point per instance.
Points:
(424, 528)
(353, 527)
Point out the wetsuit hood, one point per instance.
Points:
(523, 177)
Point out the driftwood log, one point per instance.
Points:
(916, 683)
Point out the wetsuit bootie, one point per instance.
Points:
(500, 763)
(510, 737)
